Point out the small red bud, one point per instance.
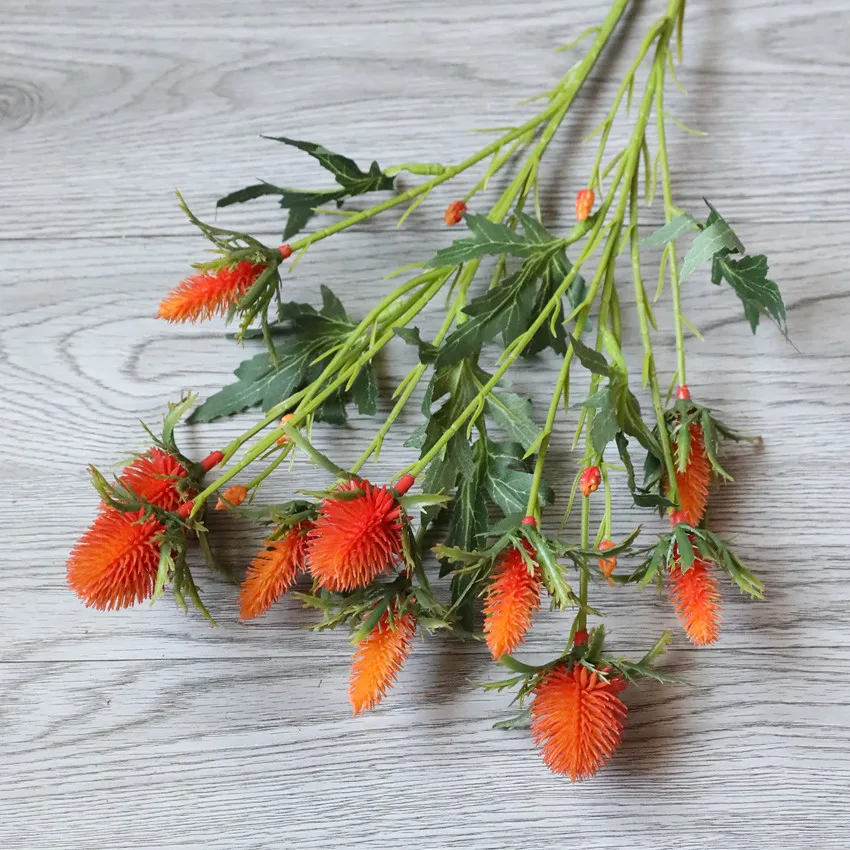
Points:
(683, 392)
(185, 509)
(584, 204)
(530, 520)
(580, 638)
(607, 565)
(404, 484)
(211, 460)
(454, 212)
(589, 481)
(285, 251)
(676, 517)
(233, 495)
(287, 417)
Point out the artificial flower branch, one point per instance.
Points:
(366, 547)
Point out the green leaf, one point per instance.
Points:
(684, 546)
(346, 172)
(295, 221)
(508, 480)
(488, 237)
(364, 391)
(505, 309)
(513, 415)
(670, 231)
(520, 721)
(249, 193)
(604, 427)
(412, 336)
(717, 238)
(748, 277)
(592, 360)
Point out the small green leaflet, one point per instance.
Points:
(300, 203)
(412, 336)
(671, 231)
(513, 415)
(591, 359)
(748, 277)
(300, 348)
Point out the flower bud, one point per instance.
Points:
(232, 496)
(454, 212)
(589, 481)
(584, 204)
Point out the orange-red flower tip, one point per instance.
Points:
(512, 599)
(355, 539)
(114, 564)
(232, 496)
(285, 420)
(682, 392)
(584, 204)
(212, 460)
(576, 721)
(273, 571)
(454, 212)
(378, 660)
(285, 251)
(694, 482)
(404, 484)
(695, 595)
(154, 476)
(529, 520)
(590, 480)
(607, 565)
(206, 294)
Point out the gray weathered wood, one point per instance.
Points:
(146, 728)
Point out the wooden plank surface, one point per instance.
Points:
(149, 729)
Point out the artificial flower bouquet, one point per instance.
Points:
(423, 551)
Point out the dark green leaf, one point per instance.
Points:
(507, 479)
(295, 221)
(604, 427)
(249, 193)
(591, 359)
(412, 336)
(717, 238)
(748, 277)
(513, 415)
(364, 391)
(488, 237)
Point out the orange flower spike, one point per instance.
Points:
(355, 540)
(607, 565)
(273, 571)
(114, 564)
(584, 204)
(512, 599)
(590, 480)
(378, 660)
(212, 293)
(576, 720)
(154, 477)
(694, 482)
(233, 496)
(454, 213)
(695, 595)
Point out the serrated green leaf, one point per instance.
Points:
(591, 359)
(249, 193)
(513, 415)
(507, 479)
(717, 237)
(670, 231)
(488, 238)
(748, 277)
(604, 427)
(364, 391)
(412, 336)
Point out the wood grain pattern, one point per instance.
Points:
(147, 728)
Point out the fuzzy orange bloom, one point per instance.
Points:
(378, 660)
(114, 563)
(232, 496)
(695, 595)
(694, 482)
(512, 599)
(273, 570)
(206, 294)
(355, 540)
(154, 477)
(577, 720)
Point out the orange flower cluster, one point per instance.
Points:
(577, 720)
(378, 660)
(206, 294)
(512, 599)
(114, 563)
